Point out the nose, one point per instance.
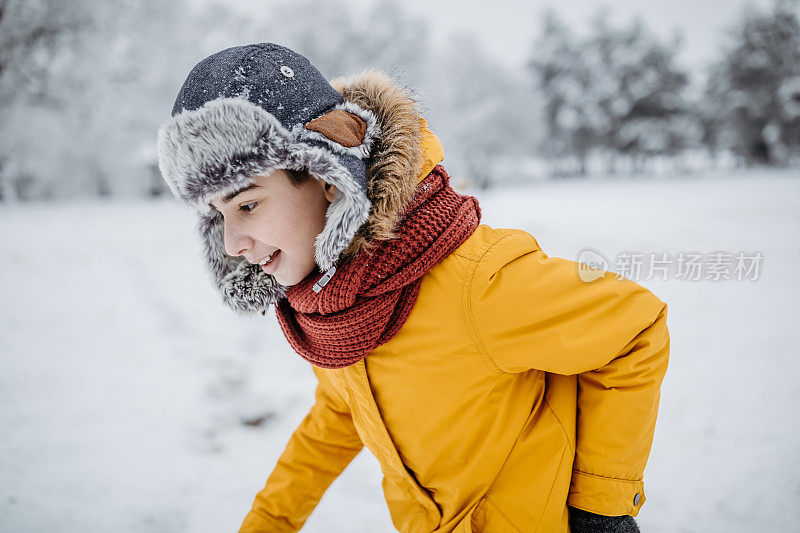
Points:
(236, 241)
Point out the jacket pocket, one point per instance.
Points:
(486, 517)
(531, 489)
(411, 511)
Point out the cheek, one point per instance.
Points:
(293, 226)
(303, 225)
(283, 230)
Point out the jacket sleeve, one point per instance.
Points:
(318, 451)
(531, 311)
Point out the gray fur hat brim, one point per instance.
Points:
(219, 148)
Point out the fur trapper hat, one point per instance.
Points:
(251, 110)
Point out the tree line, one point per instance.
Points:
(620, 92)
(85, 84)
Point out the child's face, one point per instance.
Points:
(273, 214)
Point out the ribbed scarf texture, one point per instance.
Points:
(370, 296)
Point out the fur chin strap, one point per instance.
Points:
(245, 288)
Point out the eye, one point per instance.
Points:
(248, 207)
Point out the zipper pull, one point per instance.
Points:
(324, 279)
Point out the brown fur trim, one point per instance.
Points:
(394, 166)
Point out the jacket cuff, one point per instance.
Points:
(605, 495)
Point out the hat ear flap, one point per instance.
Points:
(245, 288)
(347, 129)
(341, 127)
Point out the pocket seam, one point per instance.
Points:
(552, 487)
(560, 424)
(497, 510)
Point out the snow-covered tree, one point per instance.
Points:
(109, 87)
(31, 34)
(616, 89)
(573, 125)
(482, 111)
(642, 90)
(752, 99)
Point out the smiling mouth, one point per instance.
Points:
(267, 260)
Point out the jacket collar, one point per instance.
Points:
(432, 151)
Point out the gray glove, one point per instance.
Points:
(581, 521)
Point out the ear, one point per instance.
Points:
(330, 191)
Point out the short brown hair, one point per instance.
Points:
(298, 177)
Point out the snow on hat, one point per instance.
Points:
(251, 110)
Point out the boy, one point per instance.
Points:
(497, 390)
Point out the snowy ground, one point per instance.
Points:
(125, 385)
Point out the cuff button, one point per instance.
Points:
(636, 499)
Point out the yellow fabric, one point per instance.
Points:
(432, 151)
(513, 389)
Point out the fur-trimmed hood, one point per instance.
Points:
(398, 149)
(405, 153)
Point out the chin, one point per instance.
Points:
(293, 278)
(287, 282)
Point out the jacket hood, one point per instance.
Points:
(216, 148)
(406, 151)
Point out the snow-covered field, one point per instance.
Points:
(132, 401)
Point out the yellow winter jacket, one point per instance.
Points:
(513, 389)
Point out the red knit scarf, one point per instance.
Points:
(369, 297)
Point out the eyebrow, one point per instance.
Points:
(228, 197)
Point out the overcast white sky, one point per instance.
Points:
(507, 27)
